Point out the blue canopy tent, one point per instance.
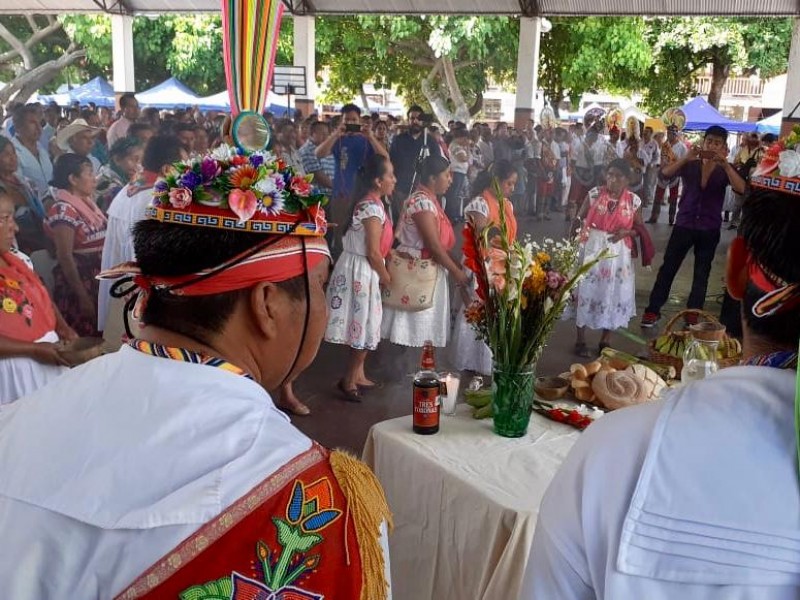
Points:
(700, 115)
(98, 90)
(771, 124)
(168, 94)
(221, 101)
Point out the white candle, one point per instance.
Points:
(449, 400)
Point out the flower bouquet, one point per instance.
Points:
(522, 288)
(250, 184)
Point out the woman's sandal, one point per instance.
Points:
(365, 389)
(582, 351)
(298, 409)
(353, 395)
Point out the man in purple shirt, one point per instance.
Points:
(706, 173)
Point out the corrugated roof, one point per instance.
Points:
(461, 7)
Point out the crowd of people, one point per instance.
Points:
(108, 476)
(79, 181)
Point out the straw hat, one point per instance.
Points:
(65, 135)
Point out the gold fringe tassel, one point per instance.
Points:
(367, 504)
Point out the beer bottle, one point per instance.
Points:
(427, 407)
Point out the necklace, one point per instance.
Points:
(183, 355)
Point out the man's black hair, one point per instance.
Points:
(716, 131)
(770, 222)
(350, 108)
(136, 128)
(125, 99)
(161, 150)
(769, 138)
(169, 250)
(414, 108)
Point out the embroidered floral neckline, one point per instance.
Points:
(183, 355)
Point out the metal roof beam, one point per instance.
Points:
(529, 8)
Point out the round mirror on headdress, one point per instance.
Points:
(250, 37)
(592, 116)
(250, 131)
(674, 118)
(614, 118)
(547, 118)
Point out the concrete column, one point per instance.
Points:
(530, 30)
(122, 53)
(304, 42)
(792, 94)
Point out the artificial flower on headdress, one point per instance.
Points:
(233, 189)
(779, 167)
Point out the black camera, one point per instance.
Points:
(426, 119)
(352, 128)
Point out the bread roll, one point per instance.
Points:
(593, 367)
(618, 389)
(653, 384)
(578, 371)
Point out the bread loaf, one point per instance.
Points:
(618, 389)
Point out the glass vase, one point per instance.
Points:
(512, 398)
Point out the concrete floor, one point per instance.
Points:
(337, 423)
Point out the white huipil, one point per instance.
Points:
(104, 473)
(692, 497)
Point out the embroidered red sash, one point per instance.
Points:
(291, 537)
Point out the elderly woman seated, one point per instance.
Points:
(30, 325)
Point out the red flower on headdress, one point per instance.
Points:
(300, 186)
(239, 160)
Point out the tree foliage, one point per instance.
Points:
(402, 52)
(684, 46)
(593, 53)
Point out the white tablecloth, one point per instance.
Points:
(465, 503)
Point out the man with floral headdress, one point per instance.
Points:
(164, 470)
(696, 496)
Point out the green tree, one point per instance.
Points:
(685, 46)
(34, 51)
(447, 61)
(594, 53)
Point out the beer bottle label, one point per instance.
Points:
(426, 406)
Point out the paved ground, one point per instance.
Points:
(337, 423)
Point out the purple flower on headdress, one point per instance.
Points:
(161, 186)
(190, 180)
(256, 160)
(209, 169)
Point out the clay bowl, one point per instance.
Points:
(708, 331)
(82, 350)
(551, 388)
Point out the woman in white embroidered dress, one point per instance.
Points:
(424, 231)
(606, 298)
(354, 289)
(470, 353)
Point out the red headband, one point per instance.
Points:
(278, 262)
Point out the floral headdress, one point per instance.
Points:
(242, 191)
(779, 168)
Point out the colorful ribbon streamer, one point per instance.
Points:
(250, 31)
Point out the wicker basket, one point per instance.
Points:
(677, 362)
